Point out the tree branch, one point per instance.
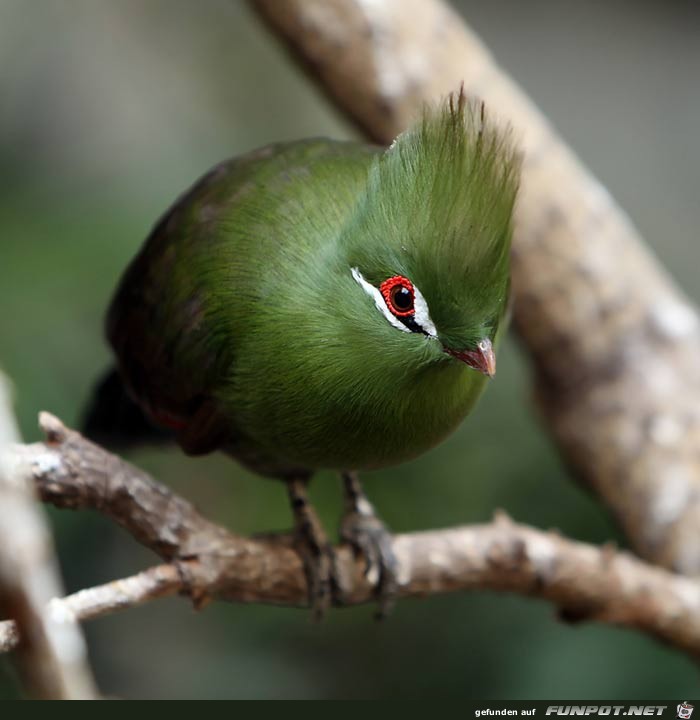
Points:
(628, 426)
(157, 582)
(52, 658)
(206, 561)
(615, 346)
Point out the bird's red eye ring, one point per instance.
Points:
(399, 296)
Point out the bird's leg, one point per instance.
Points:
(367, 534)
(314, 548)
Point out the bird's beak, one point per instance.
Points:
(482, 359)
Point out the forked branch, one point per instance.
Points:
(205, 561)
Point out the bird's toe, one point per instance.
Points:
(371, 540)
(318, 566)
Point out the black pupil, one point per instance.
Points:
(402, 298)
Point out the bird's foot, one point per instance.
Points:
(313, 545)
(364, 531)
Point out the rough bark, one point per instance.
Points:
(206, 561)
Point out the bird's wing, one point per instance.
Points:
(172, 352)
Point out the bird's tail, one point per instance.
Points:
(114, 420)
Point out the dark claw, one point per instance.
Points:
(370, 539)
(316, 552)
(318, 565)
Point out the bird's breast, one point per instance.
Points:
(354, 418)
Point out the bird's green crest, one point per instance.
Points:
(439, 202)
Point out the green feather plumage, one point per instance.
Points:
(241, 324)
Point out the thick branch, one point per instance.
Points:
(52, 658)
(615, 345)
(207, 561)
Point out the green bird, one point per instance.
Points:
(321, 304)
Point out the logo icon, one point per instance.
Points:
(684, 710)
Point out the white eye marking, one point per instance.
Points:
(374, 293)
(421, 316)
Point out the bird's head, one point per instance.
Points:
(428, 248)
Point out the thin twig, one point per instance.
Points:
(157, 582)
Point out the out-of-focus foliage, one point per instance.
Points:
(108, 111)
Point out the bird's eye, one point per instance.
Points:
(399, 295)
(401, 303)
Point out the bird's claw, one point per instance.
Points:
(312, 544)
(371, 540)
(319, 564)
(318, 558)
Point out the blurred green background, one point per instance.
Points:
(108, 110)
